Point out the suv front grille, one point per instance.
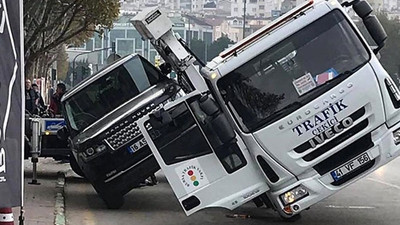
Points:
(127, 130)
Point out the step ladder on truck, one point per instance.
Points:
(290, 115)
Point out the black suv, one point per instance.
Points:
(101, 114)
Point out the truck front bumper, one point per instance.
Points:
(320, 186)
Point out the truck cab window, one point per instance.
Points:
(293, 72)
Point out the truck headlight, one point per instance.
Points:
(396, 137)
(293, 195)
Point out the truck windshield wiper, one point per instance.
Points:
(348, 72)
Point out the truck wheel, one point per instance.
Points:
(291, 219)
(75, 167)
(114, 201)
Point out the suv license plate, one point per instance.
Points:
(137, 145)
(350, 166)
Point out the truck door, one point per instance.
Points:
(205, 162)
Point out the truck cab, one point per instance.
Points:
(308, 107)
(101, 114)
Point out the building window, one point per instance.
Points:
(261, 7)
(125, 46)
(262, 14)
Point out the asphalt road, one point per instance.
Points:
(371, 201)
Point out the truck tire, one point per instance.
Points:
(75, 167)
(291, 219)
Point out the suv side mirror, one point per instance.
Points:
(63, 133)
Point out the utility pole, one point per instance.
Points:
(190, 14)
(244, 19)
(205, 51)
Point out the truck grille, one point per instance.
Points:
(306, 145)
(347, 153)
(321, 150)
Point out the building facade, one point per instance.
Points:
(256, 8)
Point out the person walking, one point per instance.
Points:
(30, 97)
(39, 100)
(55, 101)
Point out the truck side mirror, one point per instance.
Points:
(376, 31)
(362, 8)
(63, 133)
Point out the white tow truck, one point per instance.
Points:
(288, 116)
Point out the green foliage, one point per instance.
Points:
(218, 46)
(199, 48)
(51, 23)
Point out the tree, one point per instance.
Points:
(49, 24)
(213, 50)
(218, 46)
(62, 64)
(198, 47)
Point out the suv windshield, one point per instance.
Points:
(110, 91)
(293, 72)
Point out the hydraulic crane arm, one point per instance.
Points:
(154, 25)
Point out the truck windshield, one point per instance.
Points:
(110, 91)
(293, 72)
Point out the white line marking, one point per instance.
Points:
(349, 207)
(9, 30)
(2, 21)
(385, 183)
(10, 88)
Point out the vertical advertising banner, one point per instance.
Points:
(11, 103)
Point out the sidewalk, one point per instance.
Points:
(44, 203)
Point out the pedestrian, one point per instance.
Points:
(30, 97)
(39, 100)
(55, 101)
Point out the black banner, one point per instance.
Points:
(11, 104)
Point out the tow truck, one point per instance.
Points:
(295, 112)
(41, 141)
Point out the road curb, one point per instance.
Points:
(59, 209)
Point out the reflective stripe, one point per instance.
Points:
(6, 217)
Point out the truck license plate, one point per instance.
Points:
(350, 166)
(137, 145)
